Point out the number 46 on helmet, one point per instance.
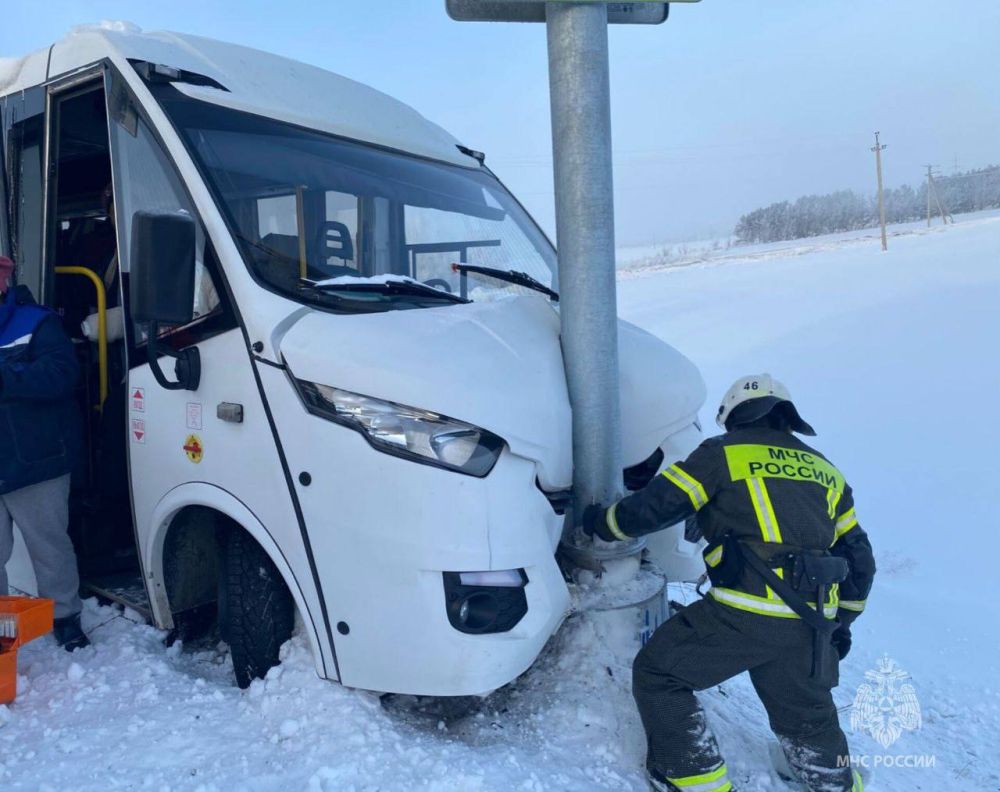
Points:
(751, 398)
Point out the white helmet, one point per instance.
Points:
(756, 396)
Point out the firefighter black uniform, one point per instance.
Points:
(768, 489)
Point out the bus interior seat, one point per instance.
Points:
(277, 256)
(334, 241)
(277, 259)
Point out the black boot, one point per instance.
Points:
(69, 634)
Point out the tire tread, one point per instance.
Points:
(257, 612)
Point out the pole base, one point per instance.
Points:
(595, 555)
(638, 590)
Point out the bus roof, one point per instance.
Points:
(256, 82)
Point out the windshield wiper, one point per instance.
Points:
(517, 278)
(409, 288)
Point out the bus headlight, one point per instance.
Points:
(408, 432)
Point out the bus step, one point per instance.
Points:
(124, 588)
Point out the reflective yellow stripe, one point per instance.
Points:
(853, 605)
(765, 511)
(832, 499)
(767, 606)
(713, 775)
(845, 523)
(714, 781)
(688, 484)
(713, 558)
(762, 461)
(859, 785)
(611, 520)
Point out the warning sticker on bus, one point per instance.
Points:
(193, 448)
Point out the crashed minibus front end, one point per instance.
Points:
(385, 406)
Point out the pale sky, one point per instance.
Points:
(728, 106)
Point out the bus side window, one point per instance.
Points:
(145, 180)
(25, 133)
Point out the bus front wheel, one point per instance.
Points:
(256, 610)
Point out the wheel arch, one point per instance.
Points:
(178, 502)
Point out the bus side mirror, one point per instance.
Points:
(161, 281)
(161, 287)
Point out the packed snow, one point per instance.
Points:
(352, 280)
(890, 355)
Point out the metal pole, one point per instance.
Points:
(881, 203)
(581, 148)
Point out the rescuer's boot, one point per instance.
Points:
(656, 785)
(69, 634)
(788, 774)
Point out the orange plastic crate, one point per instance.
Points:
(8, 676)
(33, 617)
(30, 618)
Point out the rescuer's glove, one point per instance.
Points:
(594, 523)
(841, 640)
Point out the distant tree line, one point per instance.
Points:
(845, 210)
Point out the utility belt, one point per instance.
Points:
(816, 573)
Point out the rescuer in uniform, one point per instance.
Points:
(782, 532)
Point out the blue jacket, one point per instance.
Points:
(39, 419)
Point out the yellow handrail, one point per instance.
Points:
(102, 325)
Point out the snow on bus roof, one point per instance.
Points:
(256, 82)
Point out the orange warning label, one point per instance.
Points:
(193, 448)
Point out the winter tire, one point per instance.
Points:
(256, 610)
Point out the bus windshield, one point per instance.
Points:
(312, 212)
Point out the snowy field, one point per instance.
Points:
(640, 258)
(890, 355)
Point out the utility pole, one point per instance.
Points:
(932, 190)
(929, 177)
(878, 149)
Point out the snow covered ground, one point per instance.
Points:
(892, 356)
(636, 259)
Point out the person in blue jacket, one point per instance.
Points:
(39, 437)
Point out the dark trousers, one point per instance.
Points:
(708, 643)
